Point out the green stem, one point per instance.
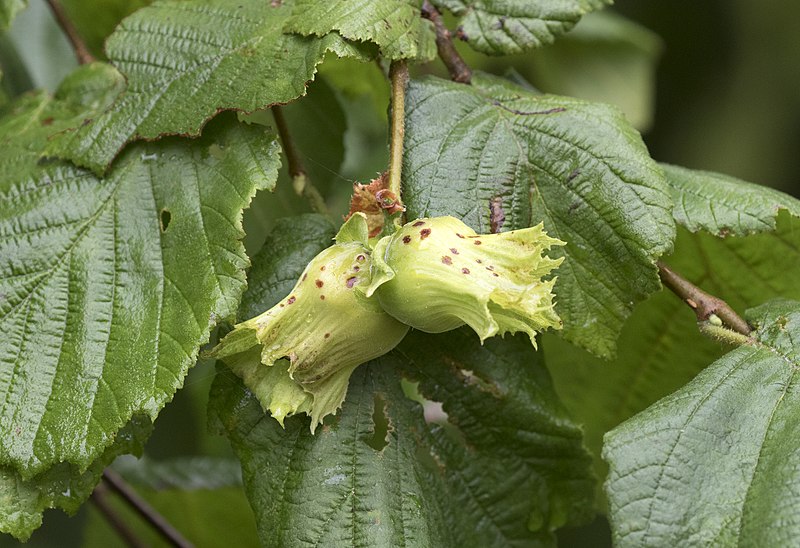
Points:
(297, 171)
(718, 332)
(398, 74)
(704, 304)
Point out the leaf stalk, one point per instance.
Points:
(82, 52)
(458, 69)
(100, 499)
(300, 181)
(147, 512)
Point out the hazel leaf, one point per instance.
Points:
(108, 287)
(750, 239)
(715, 462)
(506, 468)
(186, 61)
(503, 27)
(65, 486)
(500, 157)
(396, 26)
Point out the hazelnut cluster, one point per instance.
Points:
(356, 300)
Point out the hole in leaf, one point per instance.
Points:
(433, 410)
(166, 217)
(381, 426)
(434, 413)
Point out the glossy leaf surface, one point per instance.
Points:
(109, 286)
(64, 486)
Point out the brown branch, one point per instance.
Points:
(297, 171)
(100, 499)
(78, 45)
(458, 69)
(147, 512)
(703, 304)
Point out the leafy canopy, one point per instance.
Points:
(122, 198)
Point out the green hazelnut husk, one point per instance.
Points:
(297, 357)
(436, 274)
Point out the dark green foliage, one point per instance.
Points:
(122, 202)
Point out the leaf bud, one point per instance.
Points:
(325, 328)
(436, 274)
